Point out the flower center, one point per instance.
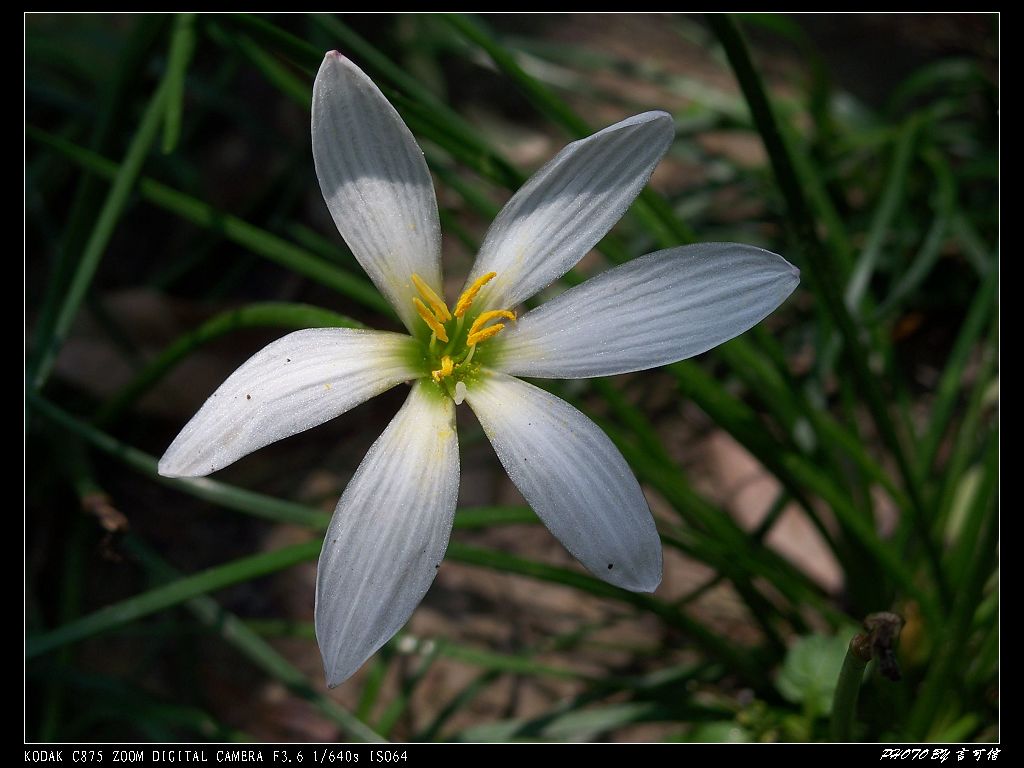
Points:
(452, 364)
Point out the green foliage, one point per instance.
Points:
(168, 157)
(810, 670)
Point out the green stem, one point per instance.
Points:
(844, 702)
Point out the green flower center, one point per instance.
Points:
(450, 356)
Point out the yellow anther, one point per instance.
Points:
(485, 334)
(430, 320)
(435, 302)
(486, 317)
(466, 299)
(445, 370)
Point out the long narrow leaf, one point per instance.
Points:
(821, 272)
(160, 598)
(124, 178)
(259, 241)
(183, 43)
(255, 648)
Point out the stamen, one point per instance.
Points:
(466, 299)
(486, 317)
(485, 334)
(445, 370)
(436, 303)
(430, 320)
(460, 392)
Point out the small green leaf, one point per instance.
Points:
(809, 673)
(719, 733)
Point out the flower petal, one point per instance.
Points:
(657, 309)
(376, 183)
(574, 478)
(291, 385)
(389, 533)
(567, 206)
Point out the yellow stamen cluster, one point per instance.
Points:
(430, 320)
(477, 331)
(447, 366)
(435, 302)
(466, 299)
(435, 314)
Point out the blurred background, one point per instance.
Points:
(839, 460)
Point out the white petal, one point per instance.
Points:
(389, 533)
(567, 206)
(574, 478)
(289, 386)
(655, 310)
(376, 183)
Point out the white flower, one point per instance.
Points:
(391, 527)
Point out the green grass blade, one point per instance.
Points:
(89, 191)
(257, 240)
(979, 253)
(950, 385)
(448, 119)
(68, 609)
(931, 248)
(401, 701)
(276, 72)
(552, 107)
(161, 598)
(228, 496)
(485, 659)
(251, 503)
(546, 102)
(821, 272)
(783, 397)
(115, 699)
(124, 178)
(256, 649)
(577, 725)
(460, 699)
(422, 112)
(892, 199)
(633, 418)
(183, 43)
(742, 423)
(722, 543)
(473, 518)
(969, 432)
(650, 207)
(705, 517)
(819, 199)
(952, 640)
(741, 661)
(942, 75)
